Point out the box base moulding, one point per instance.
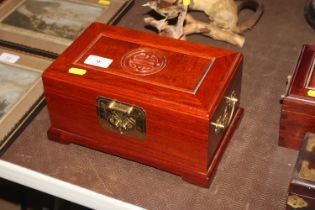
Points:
(293, 127)
(193, 177)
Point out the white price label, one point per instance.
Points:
(10, 58)
(98, 61)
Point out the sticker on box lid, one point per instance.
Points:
(77, 71)
(98, 61)
(9, 58)
(104, 2)
(311, 93)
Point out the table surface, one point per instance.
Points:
(254, 172)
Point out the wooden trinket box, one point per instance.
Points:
(167, 103)
(298, 108)
(302, 186)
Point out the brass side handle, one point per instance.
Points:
(289, 79)
(225, 119)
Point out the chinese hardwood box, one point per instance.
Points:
(298, 108)
(47, 27)
(163, 102)
(302, 185)
(21, 92)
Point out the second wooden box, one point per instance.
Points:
(298, 108)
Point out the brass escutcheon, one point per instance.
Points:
(296, 202)
(121, 118)
(225, 119)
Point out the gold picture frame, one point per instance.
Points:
(21, 91)
(52, 25)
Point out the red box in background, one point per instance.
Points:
(298, 109)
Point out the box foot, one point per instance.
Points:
(205, 180)
(58, 135)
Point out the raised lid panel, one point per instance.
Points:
(304, 78)
(148, 65)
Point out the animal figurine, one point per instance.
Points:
(223, 18)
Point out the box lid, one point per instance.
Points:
(303, 80)
(147, 67)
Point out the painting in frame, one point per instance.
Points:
(52, 25)
(21, 92)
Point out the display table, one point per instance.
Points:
(59, 188)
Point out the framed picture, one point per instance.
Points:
(21, 91)
(52, 25)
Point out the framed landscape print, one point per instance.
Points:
(21, 91)
(52, 25)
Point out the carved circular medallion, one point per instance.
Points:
(143, 61)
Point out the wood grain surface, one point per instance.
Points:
(297, 112)
(184, 97)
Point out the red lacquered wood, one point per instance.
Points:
(200, 179)
(180, 101)
(206, 179)
(302, 73)
(298, 109)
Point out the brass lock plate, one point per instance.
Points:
(122, 118)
